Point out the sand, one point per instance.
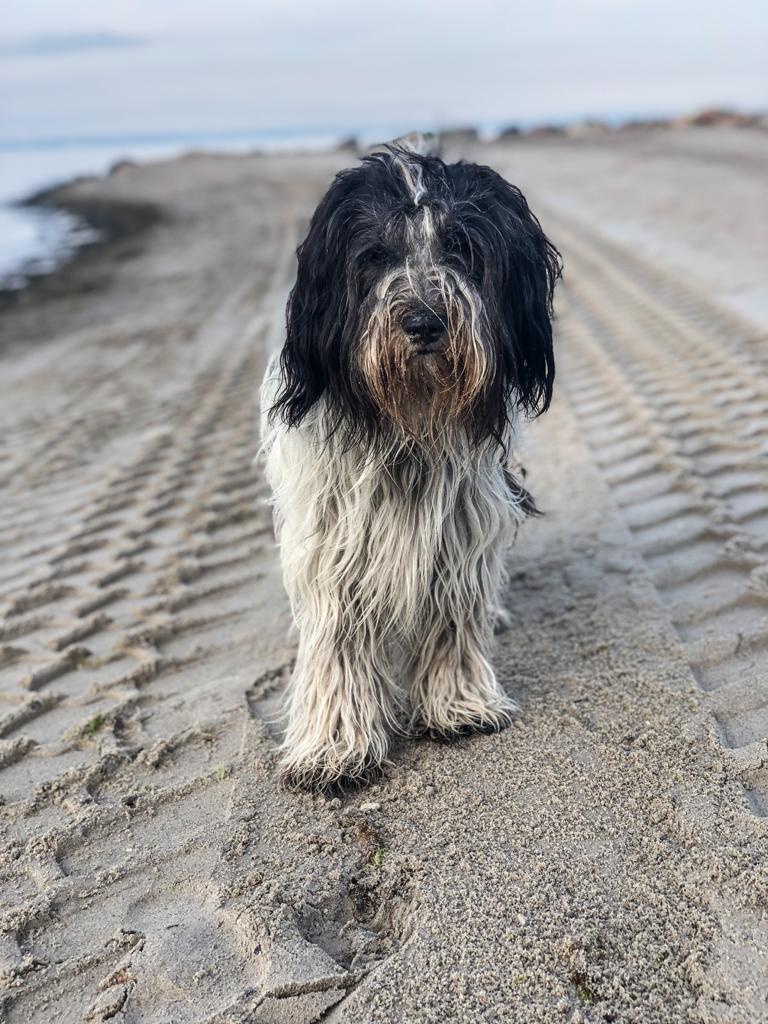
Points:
(602, 860)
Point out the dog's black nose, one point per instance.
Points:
(423, 328)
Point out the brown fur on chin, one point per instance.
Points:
(421, 393)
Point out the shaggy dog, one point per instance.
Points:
(418, 330)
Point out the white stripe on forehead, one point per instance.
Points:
(427, 224)
(411, 171)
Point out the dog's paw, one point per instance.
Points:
(461, 732)
(462, 724)
(328, 776)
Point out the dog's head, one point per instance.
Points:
(423, 300)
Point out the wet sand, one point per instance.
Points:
(602, 860)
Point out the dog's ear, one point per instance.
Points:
(317, 311)
(519, 278)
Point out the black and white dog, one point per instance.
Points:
(419, 329)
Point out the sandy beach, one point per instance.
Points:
(603, 860)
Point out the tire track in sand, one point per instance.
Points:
(673, 395)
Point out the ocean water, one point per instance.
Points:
(36, 241)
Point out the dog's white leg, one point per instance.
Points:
(340, 705)
(455, 690)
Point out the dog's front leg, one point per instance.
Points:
(455, 690)
(340, 704)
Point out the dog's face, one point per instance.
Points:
(423, 299)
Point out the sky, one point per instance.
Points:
(71, 69)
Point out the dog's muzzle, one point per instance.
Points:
(424, 330)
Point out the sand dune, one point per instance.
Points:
(604, 859)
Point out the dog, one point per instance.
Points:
(419, 332)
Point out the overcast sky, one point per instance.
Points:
(83, 69)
